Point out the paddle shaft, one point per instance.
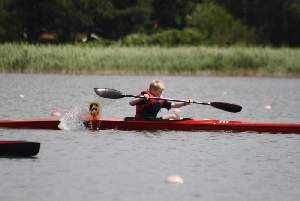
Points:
(168, 99)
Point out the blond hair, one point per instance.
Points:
(157, 85)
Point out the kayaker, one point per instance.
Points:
(147, 108)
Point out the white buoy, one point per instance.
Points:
(174, 179)
(268, 107)
(55, 113)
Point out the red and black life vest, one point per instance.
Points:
(148, 109)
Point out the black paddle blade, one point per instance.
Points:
(229, 107)
(108, 93)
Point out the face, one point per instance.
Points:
(156, 92)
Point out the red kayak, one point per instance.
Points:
(12, 148)
(38, 123)
(152, 125)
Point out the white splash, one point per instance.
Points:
(71, 120)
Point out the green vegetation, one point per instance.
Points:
(166, 38)
(93, 59)
(218, 22)
(218, 26)
(190, 37)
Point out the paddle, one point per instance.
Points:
(115, 94)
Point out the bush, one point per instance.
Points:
(137, 39)
(171, 38)
(166, 38)
(218, 26)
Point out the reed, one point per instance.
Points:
(88, 59)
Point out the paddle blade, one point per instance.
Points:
(229, 107)
(108, 93)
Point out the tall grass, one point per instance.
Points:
(84, 59)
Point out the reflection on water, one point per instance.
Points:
(125, 165)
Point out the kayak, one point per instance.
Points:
(37, 123)
(193, 125)
(185, 124)
(12, 148)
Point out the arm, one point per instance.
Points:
(178, 105)
(135, 101)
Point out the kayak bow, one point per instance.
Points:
(38, 123)
(152, 125)
(12, 148)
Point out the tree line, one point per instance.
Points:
(221, 22)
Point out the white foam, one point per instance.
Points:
(71, 120)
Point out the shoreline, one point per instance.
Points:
(198, 74)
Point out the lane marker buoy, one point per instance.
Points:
(174, 179)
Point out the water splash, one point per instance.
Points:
(71, 120)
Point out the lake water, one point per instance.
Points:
(78, 164)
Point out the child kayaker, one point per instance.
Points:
(148, 108)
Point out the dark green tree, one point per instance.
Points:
(277, 22)
(125, 17)
(218, 26)
(10, 26)
(172, 13)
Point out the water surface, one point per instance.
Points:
(121, 165)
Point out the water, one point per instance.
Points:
(120, 165)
